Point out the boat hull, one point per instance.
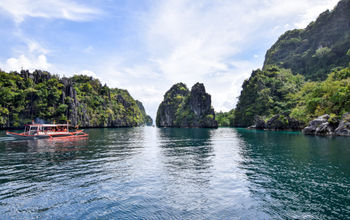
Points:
(26, 137)
(35, 137)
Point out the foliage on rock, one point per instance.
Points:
(146, 118)
(225, 119)
(317, 49)
(331, 96)
(80, 100)
(266, 93)
(184, 108)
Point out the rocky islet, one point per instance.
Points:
(184, 108)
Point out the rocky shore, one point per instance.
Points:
(324, 126)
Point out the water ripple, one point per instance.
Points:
(152, 173)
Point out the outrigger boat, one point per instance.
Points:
(41, 131)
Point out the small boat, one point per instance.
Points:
(42, 131)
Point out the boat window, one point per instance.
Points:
(33, 128)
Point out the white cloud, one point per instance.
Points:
(25, 62)
(34, 47)
(62, 9)
(218, 43)
(207, 41)
(214, 42)
(88, 73)
(31, 58)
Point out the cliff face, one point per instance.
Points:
(317, 49)
(146, 118)
(167, 109)
(81, 100)
(266, 93)
(184, 108)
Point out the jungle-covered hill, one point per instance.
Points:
(314, 51)
(80, 100)
(306, 74)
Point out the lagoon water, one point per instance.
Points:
(152, 173)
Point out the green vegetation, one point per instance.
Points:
(171, 103)
(81, 100)
(146, 118)
(266, 93)
(184, 108)
(316, 50)
(275, 92)
(278, 95)
(331, 96)
(225, 119)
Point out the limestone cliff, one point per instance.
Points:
(80, 100)
(317, 49)
(184, 108)
(147, 120)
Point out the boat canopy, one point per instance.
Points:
(48, 125)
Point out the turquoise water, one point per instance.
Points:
(154, 173)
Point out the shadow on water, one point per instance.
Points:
(298, 176)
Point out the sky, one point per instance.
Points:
(146, 46)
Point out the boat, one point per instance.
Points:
(42, 131)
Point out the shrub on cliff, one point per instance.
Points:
(184, 108)
(331, 96)
(266, 93)
(81, 100)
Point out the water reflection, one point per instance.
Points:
(156, 173)
(297, 176)
(186, 148)
(187, 157)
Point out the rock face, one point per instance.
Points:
(167, 109)
(318, 48)
(319, 126)
(344, 126)
(277, 122)
(146, 118)
(322, 126)
(184, 108)
(115, 109)
(80, 100)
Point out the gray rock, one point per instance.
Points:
(259, 123)
(344, 126)
(277, 122)
(184, 108)
(319, 126)
(166, 113)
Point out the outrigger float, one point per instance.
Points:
(42, 131)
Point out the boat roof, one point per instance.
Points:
(47, 125)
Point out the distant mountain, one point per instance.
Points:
(80, 100)
(314, 51)
(146, 118)
(184, 108)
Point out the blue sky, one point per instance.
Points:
(145, 46)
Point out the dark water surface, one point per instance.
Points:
(153, 173)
